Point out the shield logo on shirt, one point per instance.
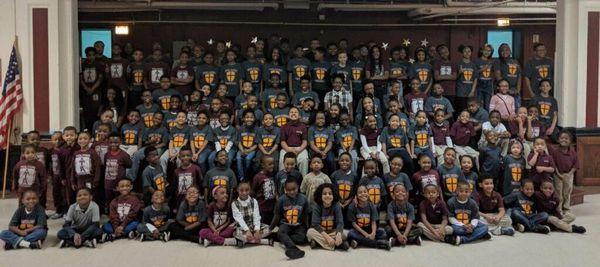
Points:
(486, 72)
(209, 77)
(273, 101)
(129, 137)
(138, 76)
(396, 142)
(396, 71)
(463, 217)
(267, 142)
(320, 73)
(220, 182)
(247, 141)
(165, 102)
(178, 141)
(526, 208)
(404, 125)
(223, 142)
(191, 218)
(199, 141)
(515, 172)
(363, 222)
(375, 195)
(300, 71)
(160, 183)
(544, 108)
(512, 69)
(347, 141)
(171, 124)
(356, 73)
(253, 74)
(230, 75)
(423, 75)
(451, 184)
(320, 142)
(468, 74)
(344, 190)
(148, 121)
(402, 221)
(543, 72)
(281, 121)
(327, 224)
(422, 139)
(291, 216)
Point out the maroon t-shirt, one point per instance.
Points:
(435, 212)
(461, 133)
(155, 70)
(115, 163)
(547, 204)
(29, 175)
(218, 215)
(182, 72)
(513, 129)
(187, 177)
(371, 135)
(423, 178)
(564, 160)
(85, 169)
(264, 191)
(293, 133)
(116, 73)
(537, 129)
(446, 67)
(543, 160)
(415, 99)
(440, 132)
(489, 204)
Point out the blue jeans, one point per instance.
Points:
(484, 97)
(529, 221)
(244, 163)
(408, 167)
(131, 226)
(13, 239)
(364, 241)
(479, 231)
(203, 158)
(67, 233)
(230, 157)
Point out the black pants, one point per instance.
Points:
(68, 233)
(178, 232)
(291, 236)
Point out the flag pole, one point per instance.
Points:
(6, 157)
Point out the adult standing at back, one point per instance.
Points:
(378, 70)
(538, 68)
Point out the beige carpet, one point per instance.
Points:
(556, 249)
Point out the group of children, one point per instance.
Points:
(244, 162)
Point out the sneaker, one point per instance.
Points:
(142, 237)
(271, 242)
(7, 246)
(62, 244)
(56, 216)
(578, 229)
(36, 245)
(240, 244)
(487, 236)
(353, 244)
(507, 231)
(206, 242)
(93, 243)
(384, 244)
(450, 239)
(104, 238)
(392, 241)
(294, 253)
(89, 244)
(131, 235)
(457, 241)
(541, 229)
(418, 241)
(344, 246)
(313, 244)
(519, 227)
(166, 236)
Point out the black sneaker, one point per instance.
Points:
(418, 241)
(239, 243)
(384, 244)
(450, 239)
(271, 242)
(294, 253)
(62, 244)
(313, 244)
(344, 246)
(487, 236)
(36, 245)
(507, 231)
(578, 229)
(353, 244)
(541, 229)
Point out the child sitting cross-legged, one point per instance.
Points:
(82, 223)
(246, 214)
(155, 219)
(327, 221)
(219, 230)
(123, 212)
(401, 215)
(434, 214)
(463, 215)
(491, 208)
(27, 227)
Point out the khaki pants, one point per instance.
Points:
(563, 224)
(564, 188)
(496, 228)
(439, 150)
(430, 235)
(313, 234)
(264, 232)
(382, 157)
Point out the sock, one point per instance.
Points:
(24, 244)
(229, 242)
(264, 241)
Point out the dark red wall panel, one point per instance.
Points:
(40, 69)
(591, 119)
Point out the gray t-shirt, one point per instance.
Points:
(81, 219)
(467, 74)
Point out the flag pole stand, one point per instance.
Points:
(6, 157)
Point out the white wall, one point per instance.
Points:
(63, 40)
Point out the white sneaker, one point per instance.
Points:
(166, 236)
(62, 244)
(206, 242)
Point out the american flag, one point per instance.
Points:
(12, 97)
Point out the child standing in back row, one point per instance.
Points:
(28, 173)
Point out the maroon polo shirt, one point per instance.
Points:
(462, 132)
(436, 212)
(440, 132)
(293, 133)
(564, 160)
(547, 204)
(371, 135)
(538, 130)
(543, 160)
(489, 204)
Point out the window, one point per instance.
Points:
(498, 37)
(90, 36)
